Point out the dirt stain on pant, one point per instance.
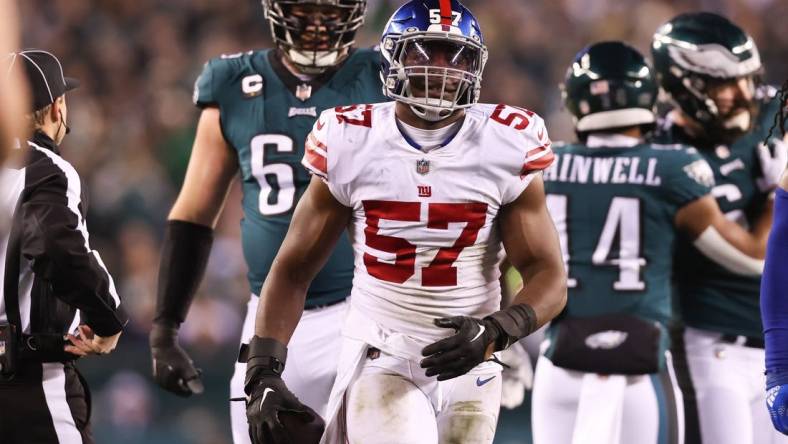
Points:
(467, 423)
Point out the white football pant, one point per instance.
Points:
(572, 407)
(391, 401)
(730, 390)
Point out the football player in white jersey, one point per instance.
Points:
(433, 187)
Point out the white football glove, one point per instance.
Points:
(773, 163)
(516, 379)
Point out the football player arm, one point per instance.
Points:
(189, 232)
(317, 224)
(722, 240)
(774, 304)
(774, 313)
(532, 247)
(187, 244)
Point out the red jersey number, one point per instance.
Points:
(517, 118)
(360, 115)
(440, 272)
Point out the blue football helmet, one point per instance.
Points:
(433, 57)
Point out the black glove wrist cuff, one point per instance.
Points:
(267, 357)
(184, 256)
(515, 322)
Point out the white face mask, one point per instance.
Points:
(741, 121)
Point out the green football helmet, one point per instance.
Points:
(608, 86)
(695, 52)
(319, 40)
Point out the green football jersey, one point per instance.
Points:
(266, 114)
(614, 209)
(709, 296)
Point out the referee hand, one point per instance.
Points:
(87, 343)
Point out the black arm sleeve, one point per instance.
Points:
(184, 257)
(55, 240)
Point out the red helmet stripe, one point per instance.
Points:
(445, 12)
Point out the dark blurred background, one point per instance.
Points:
(133, 124)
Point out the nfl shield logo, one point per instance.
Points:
(423, 166)
(303, 92)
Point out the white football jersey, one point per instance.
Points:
(424, 228)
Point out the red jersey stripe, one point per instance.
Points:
(537, 159)
(312, 139)
(316, 161)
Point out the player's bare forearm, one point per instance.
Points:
(212, 167)
(507, 290)
(532, 247)
(317, 224)
(698, 217)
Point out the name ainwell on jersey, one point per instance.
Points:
(573, 168)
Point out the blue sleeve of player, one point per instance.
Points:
(774, 292)
(774, 311)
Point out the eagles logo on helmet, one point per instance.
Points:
(698, 53)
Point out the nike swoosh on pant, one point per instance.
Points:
(480, 382)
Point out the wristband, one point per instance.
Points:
(267, 357)
(516, 322)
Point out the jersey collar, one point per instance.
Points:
(44, 141)
(413, 143)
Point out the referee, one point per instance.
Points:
(57, 300)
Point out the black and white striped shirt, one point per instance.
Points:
(62, 282)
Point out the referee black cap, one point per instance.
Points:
(44, 76)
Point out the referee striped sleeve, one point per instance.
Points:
(57, 240)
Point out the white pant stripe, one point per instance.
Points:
(54, 384)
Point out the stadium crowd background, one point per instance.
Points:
(133, 123)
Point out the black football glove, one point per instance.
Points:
(269, 400)
(274, 413)
(457, 355)
(173, 370)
